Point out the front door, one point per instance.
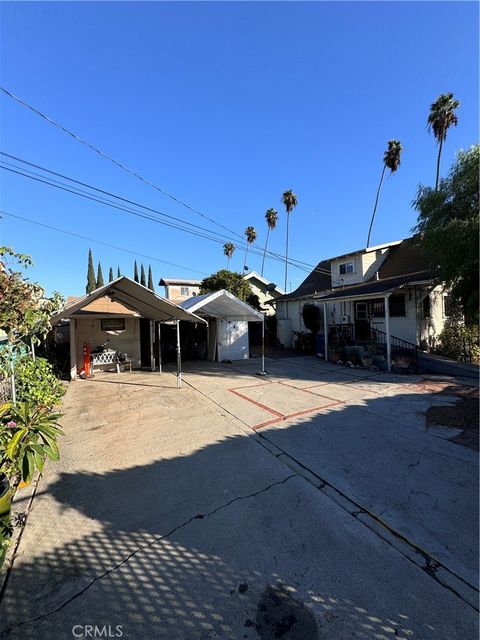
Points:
(362, 323)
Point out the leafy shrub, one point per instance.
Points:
(28, 435)
(36, 382)
(459, 341)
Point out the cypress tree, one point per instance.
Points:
(142, 276)
(110, 275)
(100, 281)
(150, 278)
(91, 282)
(118, 272)
(135, 272)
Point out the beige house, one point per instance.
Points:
(178, 290)
(389, 288)
(265, 290)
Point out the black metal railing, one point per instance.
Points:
(398, 346)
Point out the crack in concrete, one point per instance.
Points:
(198, 516)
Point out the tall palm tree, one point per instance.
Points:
(228, 250)
(391, 160)
(251, 237)
(289, 200)
(442, 117)
(271, 216)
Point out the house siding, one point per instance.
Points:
(89, 330)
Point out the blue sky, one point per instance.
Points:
(226, 105)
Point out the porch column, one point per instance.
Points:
(387, 332)
(263, 372)
(152, 338)
(179, 358)
(325, 329)
(73, 349)
(159, 347)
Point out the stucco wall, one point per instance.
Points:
(174, 292)
(89, 330)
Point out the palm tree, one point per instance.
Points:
(289, 200)
(391, 159)
(271, 216)
(251, 237)
(228, 250)
(442, 117)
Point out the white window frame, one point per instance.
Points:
(346, 264)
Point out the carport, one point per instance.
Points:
(228, 319)
(145, 304)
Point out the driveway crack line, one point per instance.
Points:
(198, 516)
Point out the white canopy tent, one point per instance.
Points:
(136, 297)
(226, 308)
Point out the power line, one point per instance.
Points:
(195, 229)
(115, 162)
(105, 244)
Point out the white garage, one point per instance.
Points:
(228, 319)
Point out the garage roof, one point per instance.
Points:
(222, 304)
(134, 296)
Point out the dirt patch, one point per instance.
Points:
(464, 414)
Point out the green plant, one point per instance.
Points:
(36, 382)
(28, 435)
(459, 341)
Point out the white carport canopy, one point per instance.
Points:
(136, 297)
(222, 304)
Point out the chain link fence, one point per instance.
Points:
(5, 389)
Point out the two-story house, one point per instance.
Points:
(390, 288)
(178, 290)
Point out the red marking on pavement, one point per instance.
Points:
(258, 404)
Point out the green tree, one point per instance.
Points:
(228, 250)
(290, 201)
(150, 278)
(119, 275)
(271, 216)
(391, 160)
(448, 229)
(91, 281)
(143, 280)
(229, 280)
(442, 116)
(100, 281)
(251, 236)
(135, 272)
(110, 275)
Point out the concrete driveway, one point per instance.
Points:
(312, 503)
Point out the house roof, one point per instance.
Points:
(165, 282)
(253, 275)
(135, 297)
(377, 247)
(405, 258)
(374, 287)
(222, 304)
(316, 281)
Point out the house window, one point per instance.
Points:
(184, 291)
(426, 310)
(377, 308)
(448, 307)
(112, 324)
(346, 267)
(397, 306)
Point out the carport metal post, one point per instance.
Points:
(263, 372)
(179, 358)
(152, 338)
(387, 332)
(159, 347)
(325, 329)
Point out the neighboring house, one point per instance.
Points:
(265, 290)
(389, 287)
(178, 290)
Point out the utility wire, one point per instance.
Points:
(292, 261)
(105, 244)
(197, 230)
(115, 162)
